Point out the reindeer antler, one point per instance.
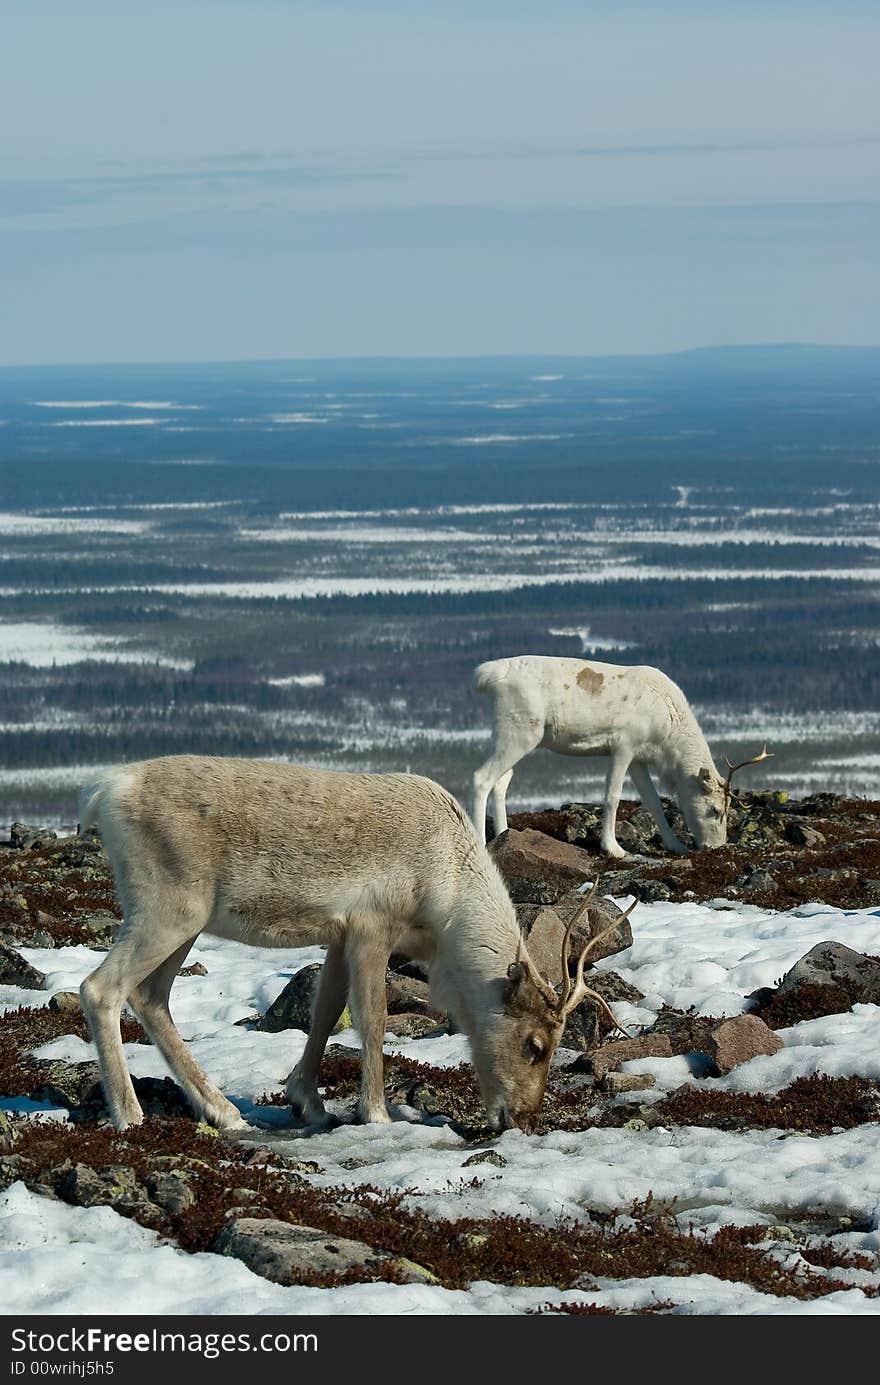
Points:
(764, 754)
(573, 992)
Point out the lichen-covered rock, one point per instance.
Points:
(405, 994)
(23, 837)
(15, 971)
(801, 834)
(65, 1003)
(485, 1156)
(170, 1189)
(287, 1253)
(833, 964)
(616, 1082)
(411, 1026)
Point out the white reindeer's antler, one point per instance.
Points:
(763, 754)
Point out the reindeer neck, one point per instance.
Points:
(686, 751)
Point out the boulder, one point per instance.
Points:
(25, 838)
(170, 1190)
(686, 1033)
(546, 930)
(287, 1253)
(735, 1041)
(15, 971)
(292, 1009)
(411, 1026)
(609, 1056)
(538, 868)
(405, 994)
(612, 987)
(799, 834)
(485, 1156)
(833, 964)
(616, 1082)
(65, 1003)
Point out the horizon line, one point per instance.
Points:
(428, 358)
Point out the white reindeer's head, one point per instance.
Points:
(513, 1047)
(705, 799)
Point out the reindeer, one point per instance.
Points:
(280, 855)
(635, 715)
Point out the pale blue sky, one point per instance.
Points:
(243, 178)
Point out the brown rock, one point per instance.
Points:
(610, 1056)
(736, 1040)
(547, 928)
(539, 868)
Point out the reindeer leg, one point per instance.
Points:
(651, 799)
(149, 1001)
(302, 1084)
(367, 958)
(499, 802)
(613, 789)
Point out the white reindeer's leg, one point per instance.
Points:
(302, 1084)
(499, 802)
(136, 953)
(367, 959)
(516, 742)
(651, 799)
(613, 789)
(150, 1003)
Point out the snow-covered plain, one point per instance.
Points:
(62, 1259)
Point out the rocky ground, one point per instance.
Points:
(255, 1202)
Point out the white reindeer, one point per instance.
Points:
(635, 715)
(278, 855)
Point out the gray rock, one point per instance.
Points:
(405, 994)
(288, 1253)
(616, 1082)
(758, 880)
(486, 1156)
(65, 1003)
(833, 964)
(799, 834)
(412, 1026)
(652, 891)
(25, 838)
(86, 1187)
(15, 971)
(293, 1007)
(170, 1190)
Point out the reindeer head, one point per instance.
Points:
(706, 805)
(512, 1055)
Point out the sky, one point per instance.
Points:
(234, 179)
